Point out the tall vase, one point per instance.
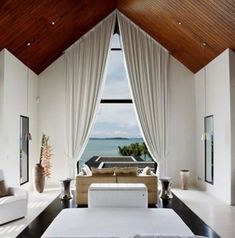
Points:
(39, 178)
(184, 177)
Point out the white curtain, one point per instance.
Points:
(85, 67)
(147, 64)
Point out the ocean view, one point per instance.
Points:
(106, 147)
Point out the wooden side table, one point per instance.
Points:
(65, 189)
(166, 188)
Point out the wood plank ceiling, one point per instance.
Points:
(181, 26)
(23, 21)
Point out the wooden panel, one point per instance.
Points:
(25, 21)
(210, 21)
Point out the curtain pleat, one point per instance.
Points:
(85, 67)
(147, 66)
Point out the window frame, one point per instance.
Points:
(22, 137)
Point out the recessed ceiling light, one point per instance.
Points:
(52, 23)
(180, 23)
(28, 44)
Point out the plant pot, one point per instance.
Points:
(184, 177)
(39, 178)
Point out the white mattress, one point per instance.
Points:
(118, 222)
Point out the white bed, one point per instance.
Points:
(118, 222)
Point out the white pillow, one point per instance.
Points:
(146, 171)
(81, 173)
(86, 170)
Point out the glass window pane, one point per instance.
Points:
(116, 120)
(115, 125)
(115, 41)
(116, 83)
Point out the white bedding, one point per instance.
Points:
(118, 222)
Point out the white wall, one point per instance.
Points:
(232, 104)
(181, 114)
(14, 101)
(1, 94)
(217, 104)
(181, 121)
(52, 116)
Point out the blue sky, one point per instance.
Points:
(116, 120)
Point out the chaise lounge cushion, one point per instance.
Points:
(14, 205)
(8, 199)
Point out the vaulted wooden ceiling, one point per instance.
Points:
(181, 26)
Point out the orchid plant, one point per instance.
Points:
(46, 155)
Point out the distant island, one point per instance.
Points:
(112, 138)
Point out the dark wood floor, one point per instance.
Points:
(39, 225)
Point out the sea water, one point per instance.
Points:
(106, 147)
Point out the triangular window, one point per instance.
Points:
(116, 124)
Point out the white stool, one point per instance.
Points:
(117, 195)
